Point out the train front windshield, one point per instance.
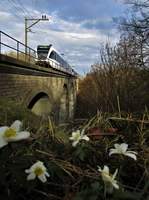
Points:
(42, 52)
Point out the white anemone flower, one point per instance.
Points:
(109, 179)
(77, 136)
(122, 149)
(12, 133)
(37, 170)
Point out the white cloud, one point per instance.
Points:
(79, 44)
(5, 15)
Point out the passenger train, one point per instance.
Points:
(46, 54)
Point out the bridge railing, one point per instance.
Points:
(14, 48)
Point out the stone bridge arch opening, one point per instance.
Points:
(40, 104)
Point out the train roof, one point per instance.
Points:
(44, 46)
(48, 47)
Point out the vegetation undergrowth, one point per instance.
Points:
(74, 172)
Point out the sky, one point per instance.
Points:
(76, 28)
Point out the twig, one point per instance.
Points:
(68, 167)
(118, 104)
(47, 195)
(59, 185)
(141, 128)
(129, 120)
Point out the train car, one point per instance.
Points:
(47, 54)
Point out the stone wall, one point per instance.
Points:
(28, 89)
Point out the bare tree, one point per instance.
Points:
(137, 28)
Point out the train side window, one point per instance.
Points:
(52, 55)
(59, 59)
(56, 56)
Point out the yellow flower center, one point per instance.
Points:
(38, 171)
(10, 133)
(77, 137)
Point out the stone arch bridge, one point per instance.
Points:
(31, 85)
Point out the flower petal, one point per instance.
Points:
(75, 143)
(20, 136)
(124, 147)
(117, 146)
(31, 176)
(42, 178)
(3, 142)
(131, 155)
(76, 133)
(38, 164)
(71, 138)
(82, 132)
(99, 168)
(47, 174)
(85, 137)
(115, 185)
(16, 125)
(106, 169)
(3, 129)
(134, 152)
(27, 171)
(113, 151)
(115, 173)
(106, 177)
